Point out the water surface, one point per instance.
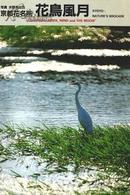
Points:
(27, 100)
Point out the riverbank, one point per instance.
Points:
(90, 57)
(66, 37)
(66, 159)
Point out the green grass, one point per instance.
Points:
(26, 35)
(107, 148)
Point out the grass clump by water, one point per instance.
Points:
(32, 35)
(107, 147)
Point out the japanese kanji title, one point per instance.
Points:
(45, 10)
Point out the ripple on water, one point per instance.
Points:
(24, 101)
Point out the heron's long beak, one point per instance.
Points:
(73, 83)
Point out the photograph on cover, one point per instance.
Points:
(64, 100)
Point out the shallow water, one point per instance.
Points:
(27, 100)
(31, 99)
(25, 175)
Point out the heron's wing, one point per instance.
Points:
(85, 119)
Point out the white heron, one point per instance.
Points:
(83, 116)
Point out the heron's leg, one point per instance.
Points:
(84, 135)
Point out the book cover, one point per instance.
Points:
(64, 97)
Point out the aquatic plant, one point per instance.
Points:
(108, 148)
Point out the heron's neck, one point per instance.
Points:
(76, 99)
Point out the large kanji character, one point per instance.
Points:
(42, 10)
(69, 10)
(83, 8)
(55, 10)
